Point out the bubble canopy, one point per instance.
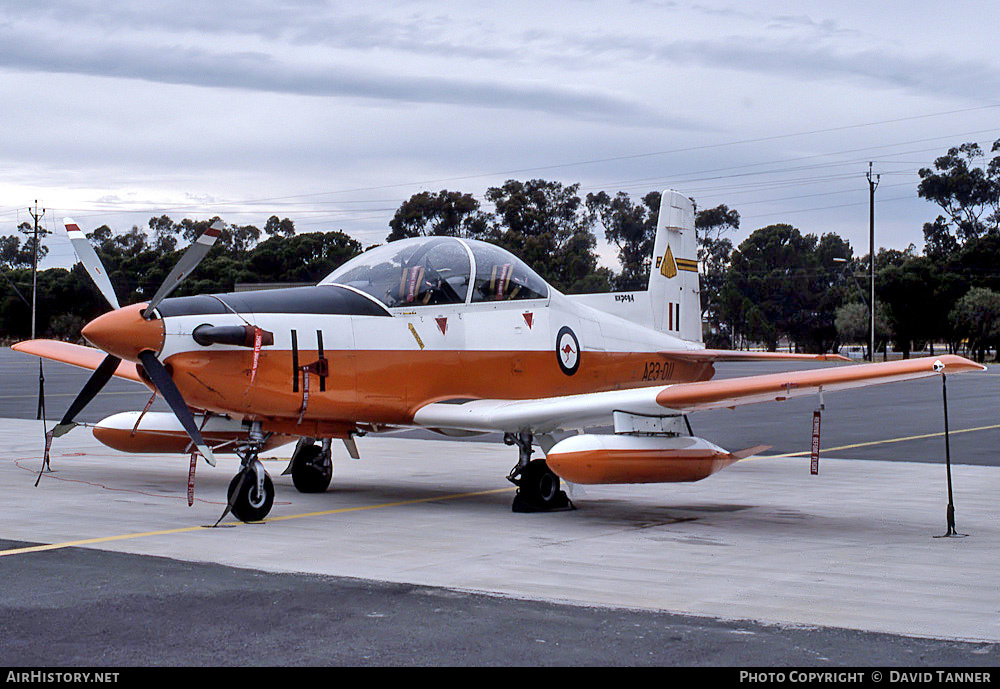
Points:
(428, 271)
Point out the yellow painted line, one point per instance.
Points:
(186, 529)
(91, 541)
(881, 442)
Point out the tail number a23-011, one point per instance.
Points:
(658, 370)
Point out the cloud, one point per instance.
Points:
(808, 62)
(303, 23)
(274, 98)
(154, 59)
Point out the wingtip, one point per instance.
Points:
(953, 363)
(28, 346)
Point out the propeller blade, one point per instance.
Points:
(88, 257)
(189, 261)
(166, 387)
(98, 379)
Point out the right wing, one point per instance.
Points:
(77, 355)
(573, 412)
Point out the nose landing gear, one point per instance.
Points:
(251, 497)
(251, 492)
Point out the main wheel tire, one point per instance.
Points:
(540, 487)
(247, 505)
(311, 472)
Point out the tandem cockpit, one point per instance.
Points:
(427, 271)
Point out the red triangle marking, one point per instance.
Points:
(528, 317)
(442, 324)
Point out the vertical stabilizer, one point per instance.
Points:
(674, 287)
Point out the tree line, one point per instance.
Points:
(779, 287)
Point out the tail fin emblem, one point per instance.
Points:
(668, 266)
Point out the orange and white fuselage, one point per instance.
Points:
(382, 368)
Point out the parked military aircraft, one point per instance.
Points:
(454, 335)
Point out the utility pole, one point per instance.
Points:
(36, 216)
(872, 186)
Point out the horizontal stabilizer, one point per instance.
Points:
(714, 355)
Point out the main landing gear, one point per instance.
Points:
(538, 488)
(311, 466)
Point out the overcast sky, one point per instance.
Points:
(332, 114)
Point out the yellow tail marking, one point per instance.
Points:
(668, 267)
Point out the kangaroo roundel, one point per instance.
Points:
(567, 351)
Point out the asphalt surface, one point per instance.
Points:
(19, 390)
(79, 607)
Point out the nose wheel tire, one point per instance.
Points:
(248, 504)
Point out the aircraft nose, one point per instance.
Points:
(125, 333)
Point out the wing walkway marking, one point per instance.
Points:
(188, 529)
(939, 434)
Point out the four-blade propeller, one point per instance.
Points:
(156, 371)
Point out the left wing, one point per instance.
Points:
(77, 355)
(591, 409)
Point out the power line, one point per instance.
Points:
(298, 204)
(825, 208)
(223, 204)
(679, 177)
